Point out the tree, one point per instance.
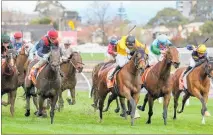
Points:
(97, 15)
(169, 17)
(207, 28)
(44, 20)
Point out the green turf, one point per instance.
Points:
(81, 118)
(91, 57)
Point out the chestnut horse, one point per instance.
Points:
(158, 84)
(69, 80)
(198, 85)
(9, 79)
(127, 83)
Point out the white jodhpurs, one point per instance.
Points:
(192, 62)
(121, 60)
(153, 59)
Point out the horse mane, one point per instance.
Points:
(75, 52)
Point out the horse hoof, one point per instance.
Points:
(44, 115)
(141, 108)
(35, 112)
(179, 111)
(174, 118)
(128, 112)
(27, 114)
(148, 122)
(117, 110)
(165, 123)
(69, 101)
(73, 102)
(207, 114)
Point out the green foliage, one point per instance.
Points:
(169, 17)
(44, 20)
(207, 28)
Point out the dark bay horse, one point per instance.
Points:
(198, 85)
(9, 79)
(128, 83)
(69, 80)
(158, 82)
(48, 82)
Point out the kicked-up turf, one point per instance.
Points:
(81, 118)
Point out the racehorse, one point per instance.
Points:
(198, 85)
(9, 79)
(128, 87)
(48, 82)
(69, 81)
(156, 80)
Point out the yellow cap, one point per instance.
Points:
(201, 49)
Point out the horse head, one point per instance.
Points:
(140, 59)
(172, 56)
(209, 67)
(9, 65)
(76, 61)
(54, 59)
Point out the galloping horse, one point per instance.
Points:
(48, 82)
(9, 79)
(69, 81)
(127, 83)
(198, 85)
(158, 83)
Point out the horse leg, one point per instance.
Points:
(101, 105)
(128, 112)
(185, 97)
(41, 103)
(8, 100)
(123, 106)
(72, 91)
(61, 101)
(176, 97)
(166, 100)
(110, 99)
(35, 101)
(133, 108)
(118, 107)
(27, 113)
(142, 108)
(52, 111)
(12, 101)
(150, 113)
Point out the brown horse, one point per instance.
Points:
(9, 79)
(48, 82)
(198, 85)
(128, 87)
(94, 89)
(69, 81)
(158, 84)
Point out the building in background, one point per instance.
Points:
(185, 7)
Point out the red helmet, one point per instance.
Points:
(18, 35)
(52, 34)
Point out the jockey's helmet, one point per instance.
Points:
(5, 38)
(201, 49)
(53, 34)
(130, 40)
(18, 35)
(113, 41)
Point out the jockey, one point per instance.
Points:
(198, 55)
(112, 48)
(5, 44)
(125, 46)
(17, 41)
(43, 48)
(158, 48)
(66, 49)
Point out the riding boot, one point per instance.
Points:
(188, 68)
(112, 75)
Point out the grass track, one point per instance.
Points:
(81, 118)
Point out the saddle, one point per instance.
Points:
(34, 76)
